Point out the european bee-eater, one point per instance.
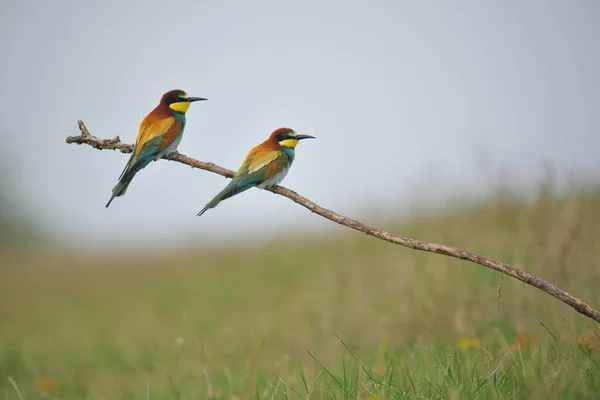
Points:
(265, 165)
(159, 135)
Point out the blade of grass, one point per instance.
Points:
(325, 369)
(313, 386)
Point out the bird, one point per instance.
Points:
(159, 135)
(264, 167)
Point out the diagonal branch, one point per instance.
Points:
(552, 290)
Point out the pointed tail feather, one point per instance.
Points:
(207, 207)
(133, 166)
(120, 188)
(230, 190)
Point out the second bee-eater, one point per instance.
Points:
(159, 135)
(265, 165)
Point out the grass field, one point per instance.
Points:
(326, 317)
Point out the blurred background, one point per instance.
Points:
(471, 124)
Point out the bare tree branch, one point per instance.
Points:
(555, 291)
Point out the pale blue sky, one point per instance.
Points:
(411, 102)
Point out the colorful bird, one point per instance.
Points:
(160, 134)
(265, 165)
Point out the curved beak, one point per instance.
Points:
(300, 137)
(192, 99)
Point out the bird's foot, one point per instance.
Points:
(166, 157)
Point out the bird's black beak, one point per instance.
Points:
(192, 99)
(300, 137)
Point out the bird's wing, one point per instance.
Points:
(154, 135)
(261, 165)
(257, 167)
(151, 128)
(258, 159)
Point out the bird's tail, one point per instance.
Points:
(230, 190)
(133, 166)
(121, 187)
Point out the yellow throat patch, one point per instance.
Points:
(181, 107)
(290, 143)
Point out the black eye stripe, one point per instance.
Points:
(285, 136)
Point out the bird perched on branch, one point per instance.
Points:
(159, 135)
(265, 165)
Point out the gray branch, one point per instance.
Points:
(552, 290)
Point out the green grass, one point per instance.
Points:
(339, 317)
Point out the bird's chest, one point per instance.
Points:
(175, 144)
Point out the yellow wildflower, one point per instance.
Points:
(466, 344)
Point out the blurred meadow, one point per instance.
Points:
(315, 316)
